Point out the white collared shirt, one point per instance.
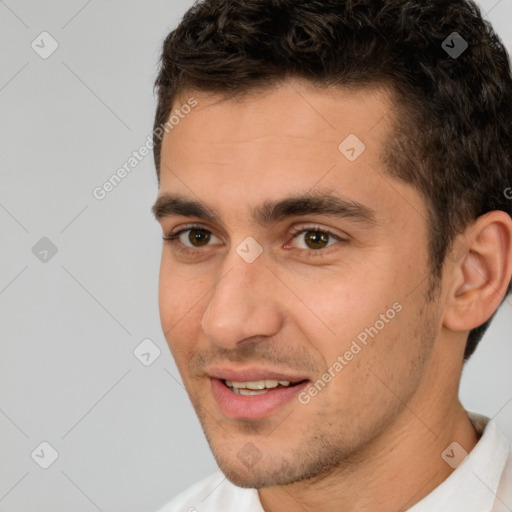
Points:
(481, 483)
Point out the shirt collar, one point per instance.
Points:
(472, 487)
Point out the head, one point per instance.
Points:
(347, 181)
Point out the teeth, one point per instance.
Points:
(257, 385)
(252, 384)
(250, 392)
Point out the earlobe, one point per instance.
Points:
(482, 274)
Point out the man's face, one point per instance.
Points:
(320, 301)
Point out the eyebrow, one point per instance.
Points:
(269, 212)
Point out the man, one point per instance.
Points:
(333, 196)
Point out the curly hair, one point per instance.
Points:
(452, 134)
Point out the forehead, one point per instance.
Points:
(294, 121)
(294, 107)
(285, 140)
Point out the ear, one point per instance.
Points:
(480, 274)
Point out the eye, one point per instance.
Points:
(314, 238)
(193, 237)
(311, 240)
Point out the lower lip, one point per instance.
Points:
(256, 406)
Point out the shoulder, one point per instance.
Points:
(214, 493)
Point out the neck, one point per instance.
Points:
(397, 469)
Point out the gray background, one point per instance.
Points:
(126, 436)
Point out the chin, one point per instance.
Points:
(256, 479)
(274, 469)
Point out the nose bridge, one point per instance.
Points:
(241, 305)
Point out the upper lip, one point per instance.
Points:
(251, 374)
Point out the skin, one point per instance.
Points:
(372, 438)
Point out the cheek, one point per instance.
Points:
(390, 366)
(167, 296)
(337, 309)
(355, 326)
(179, 300)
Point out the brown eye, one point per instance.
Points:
(316, 239)
(194, 237)
(199, 237)
(313, 239)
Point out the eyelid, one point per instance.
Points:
(175, 235)
(316, 227)
(173, 238)
(294, 231)
(324, 251)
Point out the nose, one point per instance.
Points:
(243, 304)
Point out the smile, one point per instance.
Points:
(256, 387)
(254, 399)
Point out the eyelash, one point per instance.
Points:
(174, 239)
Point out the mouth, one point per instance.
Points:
(254, 394)
(257, 387)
